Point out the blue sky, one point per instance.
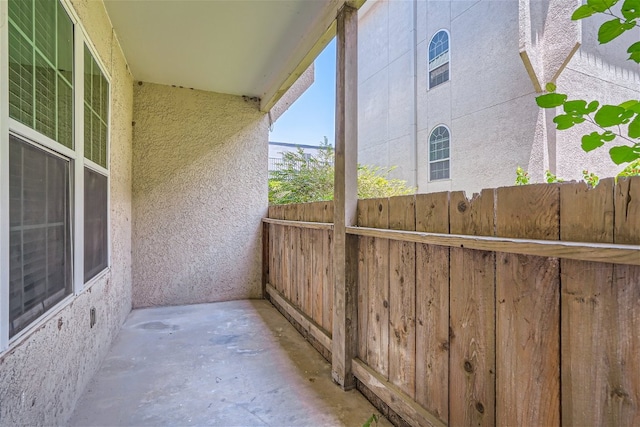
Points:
(312, 116)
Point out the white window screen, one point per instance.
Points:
(40, 240)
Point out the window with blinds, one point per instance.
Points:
(95, 224)
(41, 68)
(40, 236)
(439, 154)
(439, 59)
(96, 111)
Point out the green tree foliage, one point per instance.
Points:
(304, 178)
(609, 118)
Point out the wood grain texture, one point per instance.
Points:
(624, 347)
(378, 292)
(395, 398)
(432, 307)
(596, 252)
(587, 298)
(305, 321)
(528, 211)
(402, 297)
(472, 315)
(528, 310)
(314, 214)
(345, 268)
(363, 281)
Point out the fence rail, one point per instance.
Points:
(518, 307)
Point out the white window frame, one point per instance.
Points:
(439, 160)
(429, 87)
(75, 157)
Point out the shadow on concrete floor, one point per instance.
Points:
(237, 363)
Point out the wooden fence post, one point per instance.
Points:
(345, 314)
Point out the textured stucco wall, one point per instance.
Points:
(199, 193)
(43, 374)
(489, 101)
(303, 83)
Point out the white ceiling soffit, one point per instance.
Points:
(255, 48)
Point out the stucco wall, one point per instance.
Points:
(489, 102)
(44, 372)
(199, 193)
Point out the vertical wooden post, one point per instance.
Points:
(345, 258)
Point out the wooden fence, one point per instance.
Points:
(300, 265)
(518, 307)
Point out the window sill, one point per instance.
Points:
(95, 279)
(26, 333)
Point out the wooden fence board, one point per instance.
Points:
(528, 310)
(432, 307)
(402, 294)
(327, 269)
(378, 291)
(472, 315)
(363, 280)
(624, 348)
(586, 300)
(315, 214)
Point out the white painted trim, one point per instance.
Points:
(78, 169)
(96, 167)
(428, 59)
(4, 176)
(40, 139)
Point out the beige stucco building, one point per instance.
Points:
(133, 170)
(476, 88)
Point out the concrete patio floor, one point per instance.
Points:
(237, 363)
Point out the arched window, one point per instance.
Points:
(439, 154)
(439, 59)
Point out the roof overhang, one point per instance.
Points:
(256, 48)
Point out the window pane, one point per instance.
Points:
(40, 68)
(96, 111)
(439, 75)
(95, 223)
(439, 170)
(39, 243)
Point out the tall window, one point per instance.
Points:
(439, 154)
(44, 151)
(439, 59)
(96, 116)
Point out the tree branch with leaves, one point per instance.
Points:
(609, 118)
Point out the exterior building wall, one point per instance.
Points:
(488, 104)
(43, 373)
(199, 194)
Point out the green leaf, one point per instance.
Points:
(610, 30)
(600, 5)
(582, 12)
(631, 9)
(634, 127)
(629, 105)
(566, 121)
(592, 107)
(634, 51)
(624, 154)
(612, 115)
(551, 87)
(551, 100)
(578, 106)
(594, 140)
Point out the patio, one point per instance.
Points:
(229, 363)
